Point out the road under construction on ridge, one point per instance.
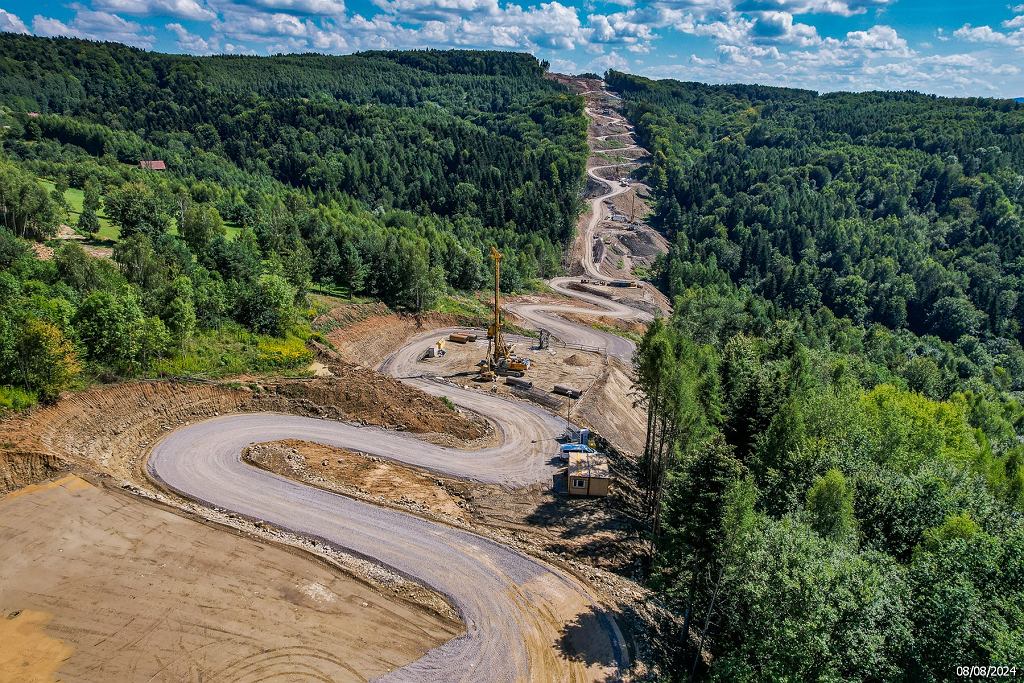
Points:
(515, 607)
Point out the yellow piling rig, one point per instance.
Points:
(499, 354)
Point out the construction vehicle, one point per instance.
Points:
(500, 357)
(435, 351)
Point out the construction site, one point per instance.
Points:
(442, 494)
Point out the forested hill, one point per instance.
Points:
(892, 208)
(474, 134)
(835, 471)
(388, 175)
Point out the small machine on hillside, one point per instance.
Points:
(500, 358)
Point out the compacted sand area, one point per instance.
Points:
(98, 585)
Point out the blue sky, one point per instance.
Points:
(949, 47)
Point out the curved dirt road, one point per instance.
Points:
(525, 620)
(546, 315)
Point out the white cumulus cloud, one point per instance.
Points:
(779, 27)
(190, 42)
(986, 34)
(95, 25)
(180, 9)
(878, 38)
(843, 8)
(10, 23)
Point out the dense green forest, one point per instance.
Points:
(834, 468)
(385, 174)
(834, 473)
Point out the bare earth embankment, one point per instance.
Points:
(99, 585)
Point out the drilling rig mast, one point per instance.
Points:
(500, 359)
(497, 351)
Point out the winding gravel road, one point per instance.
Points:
(525, 620)
(547, 315)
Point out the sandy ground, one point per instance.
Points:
(96, 585)
(598, 531)
(364, 334)
(555, 365)
(609, 408)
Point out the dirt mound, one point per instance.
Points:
(348, 314)
(577, 360)
(108, 429)
(356, 393)
(21, 468)
(369, 341)
(362, 476)
(608, 408)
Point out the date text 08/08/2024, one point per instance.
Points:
(986, 671)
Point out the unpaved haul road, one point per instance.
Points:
(546, 315)
(525, 620)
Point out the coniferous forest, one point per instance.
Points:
(383, 174)
(832, 486)
(834, 471)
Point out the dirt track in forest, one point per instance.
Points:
(525, 619)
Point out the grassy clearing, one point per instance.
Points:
(476, 309)
(108, 231)
(74, 197)
(332, 290)
(541, 287)
(233, 350)
(325, 301)
(463, 305)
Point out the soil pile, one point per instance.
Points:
(20, 468)
(363, 476)
(576, 360)
(374, 398)
(109, 428)
(368, 341)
